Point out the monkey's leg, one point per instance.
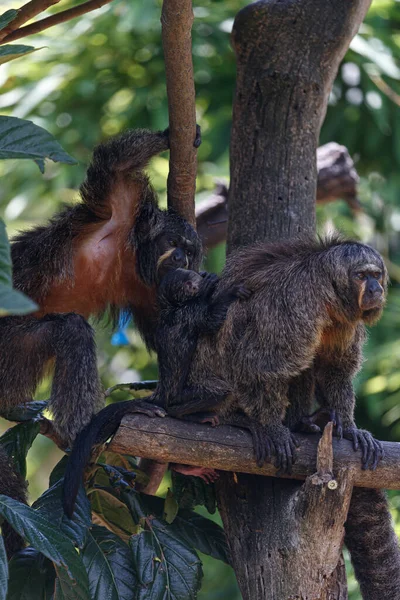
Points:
(76, 393)
(197, 399)
(268, 409)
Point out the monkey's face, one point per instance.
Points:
(175, 252)
(369, 281)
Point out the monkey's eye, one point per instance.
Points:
(377, 275)
(361, 276)
(172, 243)
(189, 252)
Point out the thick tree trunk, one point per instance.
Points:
(288, 53)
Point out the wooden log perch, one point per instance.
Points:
(337, 178)
(176, 20)
(230, 449)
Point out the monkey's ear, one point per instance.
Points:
(148, 223)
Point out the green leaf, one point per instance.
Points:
(12, 302)
(170, 507)
(25, 412)
(44, 536)
(3, 570)
(32, 576)
(109, 565)
(5, 257)
(24, 139)
(167, 568)
(7, 17)
(17, 441)
(49, 505)
(9, 52)
(202, 533)
(193, 491)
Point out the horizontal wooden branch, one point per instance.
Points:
(230, 449)
(337, 178)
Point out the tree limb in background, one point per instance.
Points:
(25, 13)
(61, 17)
(176, 20)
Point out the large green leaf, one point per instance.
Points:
(7, 17)
(11, 301)
(202, 533)
(196, 530)
(49, 505)
(10, 51)
(46, 537)
(32, 576)
(109, 565)
(3, 570)
(17, 442)
(167, 568)
(24, 139)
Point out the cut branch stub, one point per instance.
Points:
(176, 20)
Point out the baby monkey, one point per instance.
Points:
(190, 307)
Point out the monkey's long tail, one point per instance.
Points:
(101, 427)
(14, 486)
(373, 545)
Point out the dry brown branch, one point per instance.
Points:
(230, 449)
(47, 429)
(61, 17)
(25, 13)
(176, 20)
(337, 178)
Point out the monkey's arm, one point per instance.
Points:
(335, 394)
(217, 309)
(114, 182)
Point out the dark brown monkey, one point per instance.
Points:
(103, 253)
(188, 309)
(304, 323)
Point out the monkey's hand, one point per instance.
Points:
(208, 284)
(202, 417)
(241, 292)
(205, 473)
(197, 139)
(145, 408)
(372, 449)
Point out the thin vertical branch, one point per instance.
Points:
(177, 20)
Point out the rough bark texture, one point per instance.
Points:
(337, 178)
(231, 449)
(176, 20)
(288, 53)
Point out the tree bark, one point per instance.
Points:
(176, 20)
(288, 53)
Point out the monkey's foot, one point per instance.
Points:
(372, 449)
(208, 475)
(279, 441)
(242, 292)
(203, 417)
(145, 408)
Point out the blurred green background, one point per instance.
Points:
(104, 72)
